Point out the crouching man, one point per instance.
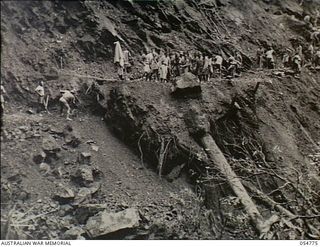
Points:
(67, 97)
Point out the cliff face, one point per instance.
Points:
(41, 40)
(271, 139)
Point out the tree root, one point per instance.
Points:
(140, 149)
(290, 216)
(162, 154)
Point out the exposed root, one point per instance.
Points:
(162, 154)
(140, 149)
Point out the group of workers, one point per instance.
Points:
(165, 65)
(66, 98)
(294, 58)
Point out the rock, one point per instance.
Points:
(52, 74)
(83, 194)
(65, 209)
(84, 175)
(73, 139)
(86, 193)
(56, 130)
(197, 122)
(44, 167)
(23, 128)
(74, 233)
(84, 158)
(50, 145)
(64, 194)
(23, 195)
(39, 158)
(95, 187)
(84, 211)
(51, 149)
(68, 128)
(186, 85)
(90, 141)
(106, 222)
(30, 111)
(278, 73)
(95, 147)
(174, 174)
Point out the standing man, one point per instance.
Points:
(259, 57)
(300, 53)
(42, 98)
(239, 57)
(119, 59)
(163, 70)
(199, 66)
(218, 64)
(270, 58)
(317, 58)
(126, 61)
(147, 65)
(206, 68)
(3, 92)
(296, 60)
(310, 53)
(286, 59)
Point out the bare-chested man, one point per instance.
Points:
(65, 100)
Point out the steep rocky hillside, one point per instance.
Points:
(141, 154)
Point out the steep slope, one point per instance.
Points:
(155, 162)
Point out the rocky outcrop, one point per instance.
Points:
(187, 85)
(106, 223)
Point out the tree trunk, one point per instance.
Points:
(224, 167)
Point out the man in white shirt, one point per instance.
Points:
(218, 63)
(270, 58)
(297, 63)
(42, 100)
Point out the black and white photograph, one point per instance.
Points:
(160, 120)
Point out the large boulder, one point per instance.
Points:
(105, 222)
(71, 137)
(84, 175)
(84, 158)
(64, 194)
(50, 148)
(50, 145)
(86, 210)
(83, 194)
(39, 158)
(186, 85)
(74, 233)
